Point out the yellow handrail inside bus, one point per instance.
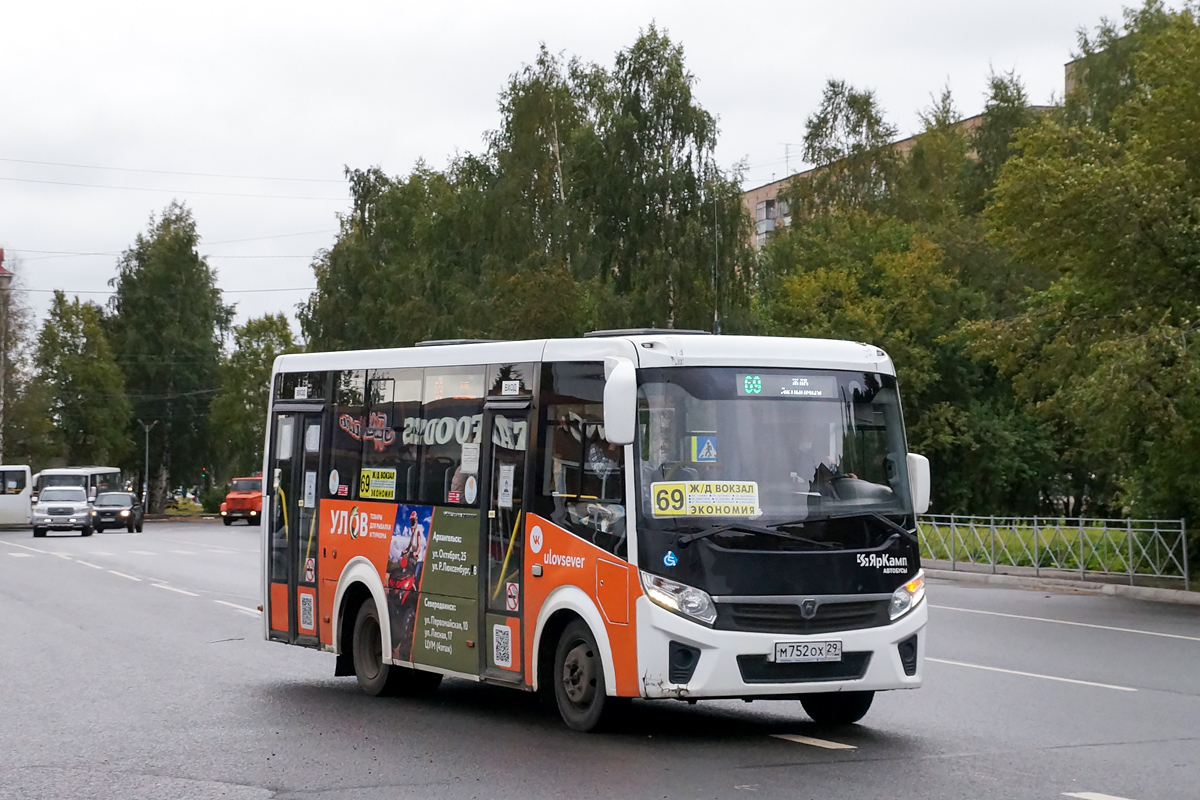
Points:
(283, 507)
(504, 566)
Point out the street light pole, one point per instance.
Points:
(6, 278)
(146, 474)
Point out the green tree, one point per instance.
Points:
(238, 414)
(83, 384)
(28, 428)
(850, 141)
(598, 189)
(1105, 202)
(167, 322)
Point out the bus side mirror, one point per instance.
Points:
(918, 482)
(620, 400)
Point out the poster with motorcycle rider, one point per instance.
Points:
(433, 586)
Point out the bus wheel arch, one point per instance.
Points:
(359, 581)
(564, 605)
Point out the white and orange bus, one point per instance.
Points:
(653, 514)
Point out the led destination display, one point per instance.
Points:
(798, 386)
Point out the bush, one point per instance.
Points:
(211, 499)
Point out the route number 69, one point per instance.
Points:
(669, 499)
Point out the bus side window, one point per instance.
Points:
(349, 424)
(393, 413)
(12, 481)
(581, 477)
(450, 426)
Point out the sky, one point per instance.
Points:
(249, 111)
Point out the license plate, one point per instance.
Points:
(799, 652)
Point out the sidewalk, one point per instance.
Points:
(939, 570)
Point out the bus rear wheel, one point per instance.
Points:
(580, 690)
(367, 649)
(837, 708)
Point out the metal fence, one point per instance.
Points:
(1147, 548)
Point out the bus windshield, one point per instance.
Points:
(772, 447)
(63, 480)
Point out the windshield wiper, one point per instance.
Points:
(900, 529)
(747, 528)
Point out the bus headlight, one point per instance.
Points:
(679, 598)
(908, 596)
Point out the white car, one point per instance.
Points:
(62, 508)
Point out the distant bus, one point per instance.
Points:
(15, 492)
(631, 514)
(94, 479)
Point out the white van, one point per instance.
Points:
(15, 489)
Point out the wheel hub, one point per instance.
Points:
(579, 675)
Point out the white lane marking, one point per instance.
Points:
(251, 611)
(25, 547)
(1031, 674)
(86, 564)
(62, 555)
(184, 552)
(21, 555)
(173, 589)
(98, 553)
(1093, 796)
(123, 575)
(222, 552)
(1066, 622)
(142, 553)
(792, 737)
(209, 544)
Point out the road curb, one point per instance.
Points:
(1177, 596)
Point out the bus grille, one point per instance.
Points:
(756, 669)
(830, 617)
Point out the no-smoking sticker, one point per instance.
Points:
(310, 570)
(511, 592)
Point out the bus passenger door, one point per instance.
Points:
(503, 508)
(295, 465)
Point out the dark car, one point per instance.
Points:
(117, 510)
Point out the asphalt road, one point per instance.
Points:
(132, 666)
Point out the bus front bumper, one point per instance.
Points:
(737, 664)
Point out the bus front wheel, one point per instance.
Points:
(579, 683)
(837, 708)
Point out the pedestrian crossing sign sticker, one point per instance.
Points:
(704, 449)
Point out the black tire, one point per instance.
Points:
(86, 530)
(256, 521)
(227, 521)
(99, 529)
(38, 533)
(580, 691)
(367, 650)
(837, 708)
(129, 528)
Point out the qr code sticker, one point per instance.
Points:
(502, 646)
(306, 613)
